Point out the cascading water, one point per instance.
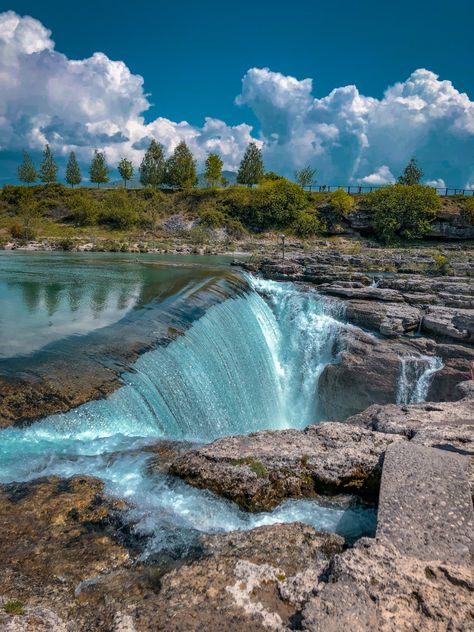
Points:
(249, 363)
(416, 373)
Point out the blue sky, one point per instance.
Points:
(193, 57)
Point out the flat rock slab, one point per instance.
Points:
(425, 506)
(260, 470)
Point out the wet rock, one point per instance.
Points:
(55, 533)
(258, 471)
(374, 588)
(366, 371)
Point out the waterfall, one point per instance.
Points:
(250, 362)
(416, 373)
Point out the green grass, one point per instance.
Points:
(14, 607)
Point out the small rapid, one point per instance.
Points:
(416, 373)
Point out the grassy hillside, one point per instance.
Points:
(121, 218)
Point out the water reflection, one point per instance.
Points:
(46, 297)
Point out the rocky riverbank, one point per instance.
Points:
(72, 561)
(403, 303)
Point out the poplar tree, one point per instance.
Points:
(26, 171)
(99, 171)
(73, 173)
(251, 168)
(181, 168)
(125, 169)
(48, 170)
(152, 167)
(213, 170)
(412, 173)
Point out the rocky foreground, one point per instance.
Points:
(71, 561)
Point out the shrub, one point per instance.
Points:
(467, 211)
(85, 209)
(120, 211)
(212, 218)
(20, 231)
(306, 225)
(234, 228)
(66, 244)
(341, 202)
(14, 607)
(402, 210)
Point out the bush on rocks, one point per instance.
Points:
(402, 211)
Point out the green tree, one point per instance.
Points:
(99, 171)
(402, 210)
(125, 169)
(48, 170)
(412, 174)
(271, 176)
(152, 167)
(73, 173)
(305, 177)
(181, 168)
(213, 170)
(26, 171)
(251, 168)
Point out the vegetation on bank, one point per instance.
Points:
(396, 212)
(261, 202)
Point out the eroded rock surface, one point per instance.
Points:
(425, 505)
(374, 588)
(259, 470)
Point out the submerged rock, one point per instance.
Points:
(258, 471)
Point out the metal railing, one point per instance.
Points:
(356, 189)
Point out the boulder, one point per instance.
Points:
(372, 587)
(452, 323)
(388, 319)
(258, 471)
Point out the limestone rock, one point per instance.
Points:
(425, 506)
(454, 323)
(374, 588)
(259, 470)
(389, 319)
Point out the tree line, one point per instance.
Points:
(177, 171)
(155, 170)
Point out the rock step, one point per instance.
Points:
(425, 506)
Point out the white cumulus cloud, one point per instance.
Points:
(348, 137)
(89, 103)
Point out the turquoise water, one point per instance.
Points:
(251, 361)
(46, 297)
